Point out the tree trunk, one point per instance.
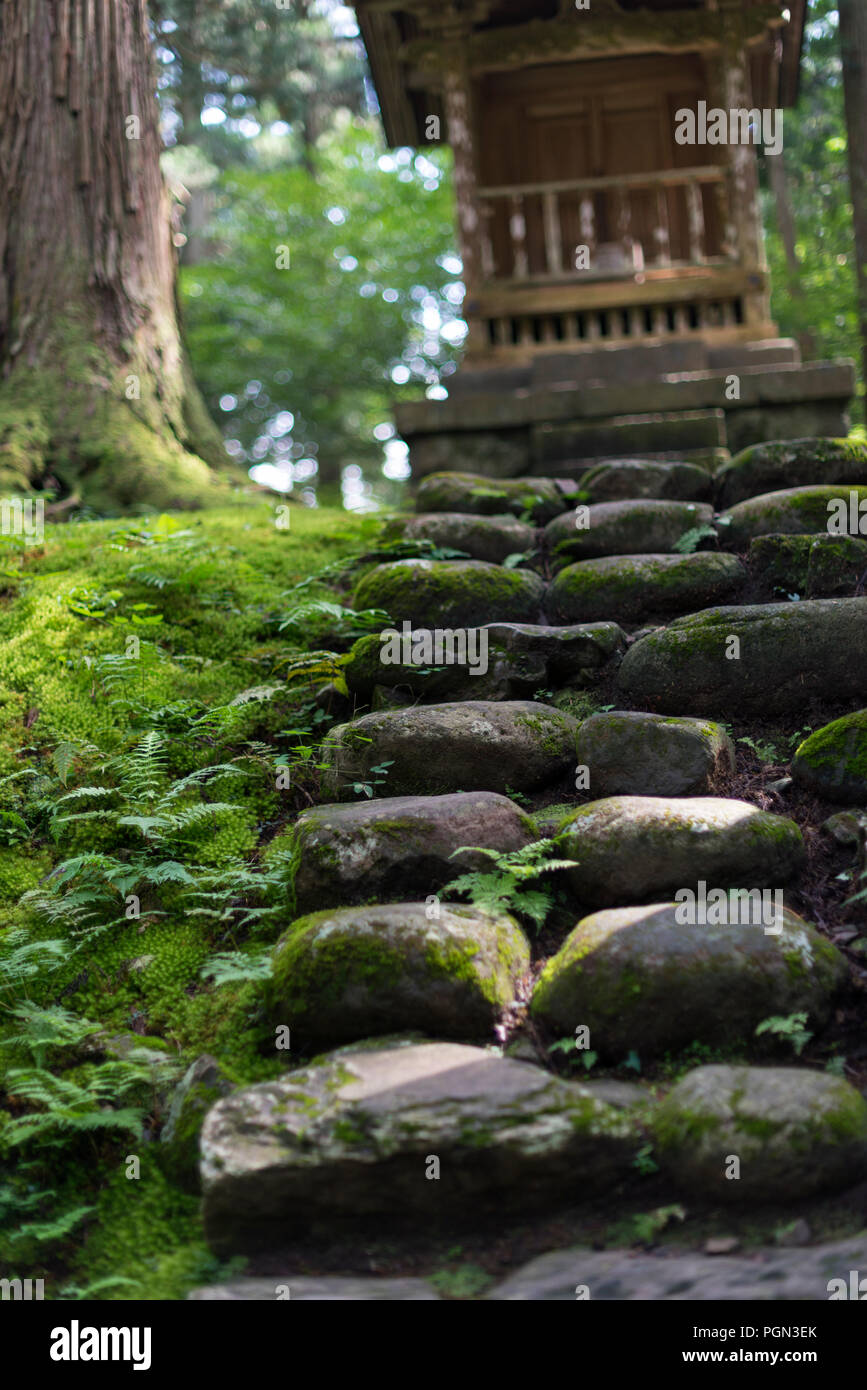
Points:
(853, 46)
(776, 166)
(96, 394)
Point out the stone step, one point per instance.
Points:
(810, 565)
(789, 463)
(422, 1132)
(630, 753)
(795, 511)
(501, 661)
(626, 480)
(475, 745)
(335, 1288)
(819, 1272)
(353, 973)
(396, 849)
(489, 538)
(632, 588)
(832, 762)
(810, 1273)
(539, 499)
(638, 849)
(746, 1135)
(651, 981)
(769, 659)
(452, 593)
(622, 528)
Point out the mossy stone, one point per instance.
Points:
(787, 463)
(629, 588)
(640, 980)
(353, 973)
(633, 849)
(792, 1132)
(451, 593)
(832, 761)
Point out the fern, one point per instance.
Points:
(505, 887)
(233, 967)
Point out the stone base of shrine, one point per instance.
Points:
(564, 412)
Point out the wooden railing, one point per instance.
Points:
(607, 227)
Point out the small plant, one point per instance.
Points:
(765, 751)
(505, 887)
(375, 779)
(644, 1227)
(792, 1029)
(585, 1056)
(692, 539)
(644, 1161)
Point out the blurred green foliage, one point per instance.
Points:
(819, 305)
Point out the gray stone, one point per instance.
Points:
(521, 659)
(350, 1139)
(399, 848)
(810, 566)
(622, 528)
(795, 1132)
(489, 538)
(629, 588)
(334, 1288)
(631, 478)
(451, 593)
(202, 1084)
(641, 848)
(538, 499)
(482, 745)
(352, 973)
(642, 981)
(792, 511)
(786, 463)
(786, 655)
(768, 1275)
(627, 752)
(833, 761)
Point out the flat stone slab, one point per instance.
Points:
(784, 655)
(791, 511)
(353, 973)
(627, 752)
(642, 848)
(356, 1136)
(451, 593)
(501, 661)
(489, 538)
(763, 1276)
(780, 1133)
(533, 499)
(336, 1288)
(641, 527)
(787, 463)
(477, 745)
(833, 761)
(397, 849)
(630, 478)
(629, 588)
(642, 979)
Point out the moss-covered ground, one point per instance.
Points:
(134, 909)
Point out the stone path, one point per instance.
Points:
(695, 600)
